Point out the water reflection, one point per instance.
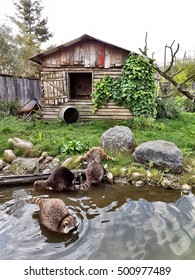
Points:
(116, 222)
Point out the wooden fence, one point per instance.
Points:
(19, 89)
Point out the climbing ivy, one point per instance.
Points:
(134, 89)
(105, 89)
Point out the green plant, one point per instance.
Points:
(73, 147)
(168, 108)
(105, 88)
(8, 108)
(134, 89)
(137, 86)
(143, 123)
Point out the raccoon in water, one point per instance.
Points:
(54, 215)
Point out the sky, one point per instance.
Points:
(121, 22)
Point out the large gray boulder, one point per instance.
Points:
(118, 138)
(163, 154)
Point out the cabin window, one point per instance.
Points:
(80, 85)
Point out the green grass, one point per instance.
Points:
(50, 136)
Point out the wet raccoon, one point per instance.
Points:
(97, 154)
(94, 174)
(60, 179)
(54, 215)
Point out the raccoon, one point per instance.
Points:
(54, 215)
(60, 179)
(97, 154)
(94, 174)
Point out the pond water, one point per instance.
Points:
(116, 222)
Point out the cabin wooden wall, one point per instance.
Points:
(87, 54)
(18, 89)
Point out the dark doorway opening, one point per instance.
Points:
(80, 85)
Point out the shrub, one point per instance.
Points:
(8, 108)
(168, 108)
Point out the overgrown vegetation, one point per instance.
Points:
(134, 89)
(8, 108)
(168, 108)
(30, 32)
(62, 140)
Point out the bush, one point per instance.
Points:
(188, 105)
(8, 108)
(168, 108)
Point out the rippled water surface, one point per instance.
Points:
(116, 222)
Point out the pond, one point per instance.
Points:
(116, 222)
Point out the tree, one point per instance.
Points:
(29, 21)
(168, 73)
(32, 32)
(8, 51)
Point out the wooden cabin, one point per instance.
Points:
(69, 72)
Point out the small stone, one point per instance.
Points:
(2, 164)
(191, 180)
(136, 176)
(55, 162)
(67, 162)
(166, 183)
(9, 155)
(138, 184)
(148, 175)
(185, 188)
(44, 154)
(48, 159)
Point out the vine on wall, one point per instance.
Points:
(134, 89)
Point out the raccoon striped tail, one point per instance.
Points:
(36, 200)
(86, 185)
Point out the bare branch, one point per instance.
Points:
(173, 82)
(188, 79)
(173, 55)
(176, 73)
(144, 52)
(165, 74)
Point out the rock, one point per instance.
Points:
(21, 144)
(67, 162)
(9, 156)
(163, 154)
(166, 183)
(55, 162)
(118, 138)
(138, 184)
(6, 169)
(185, 188)
(191, 180)
(48, 159)
(2, 164)
(44, 154)
(24, 166)
(136, 176)
(148, 175)
(110, 178)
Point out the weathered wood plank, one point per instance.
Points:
(19, 89)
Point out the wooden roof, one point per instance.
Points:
(39, 57)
